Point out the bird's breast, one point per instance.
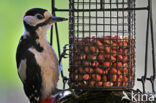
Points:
(48, 62)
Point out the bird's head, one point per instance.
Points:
(38, 18)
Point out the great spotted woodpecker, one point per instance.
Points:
(37, 62)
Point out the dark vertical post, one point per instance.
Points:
(152, 78)
(51, 31)
(143, 78)
(57, 36)
(134, 26)
(101, 4)
(129, 35)
(56, 29)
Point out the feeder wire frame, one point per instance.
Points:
(148, 8)
(74, 23)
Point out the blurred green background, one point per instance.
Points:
(11, 28)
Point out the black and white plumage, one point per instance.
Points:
(36, 60)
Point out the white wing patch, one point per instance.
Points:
(22, 70)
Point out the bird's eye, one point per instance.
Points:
(40, 17)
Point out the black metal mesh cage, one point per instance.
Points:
(102, 44)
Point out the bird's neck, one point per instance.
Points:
(37, 34)
(42, 33)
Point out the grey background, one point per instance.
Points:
(141, 20)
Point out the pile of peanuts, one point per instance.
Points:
(103, 62)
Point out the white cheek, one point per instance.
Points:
(32, 20)
(43, 30)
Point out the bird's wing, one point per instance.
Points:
(24, 44)
(32, 76)
(19, 53)
(22, 47)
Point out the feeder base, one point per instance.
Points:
(98, 97)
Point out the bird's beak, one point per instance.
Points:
(58, 19)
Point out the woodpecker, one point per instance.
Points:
(37, 62)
